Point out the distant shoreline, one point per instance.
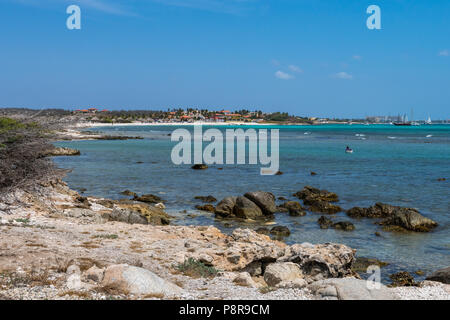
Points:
(199, 123)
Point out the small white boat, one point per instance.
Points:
(348, 150)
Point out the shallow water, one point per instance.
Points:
(395, 165)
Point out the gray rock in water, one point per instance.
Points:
(225, 208)
(324, 222)
(323, 207)
(344, 225)
(281, 231)
(247, 209)
(442, 275)
(134, 280)
(350, 289)
(294, 208)
(410, 219)
(264, 200)
(311, 194)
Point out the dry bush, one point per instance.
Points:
(21, 162)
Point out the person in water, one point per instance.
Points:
(348, 149)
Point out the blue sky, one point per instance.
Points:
(306, 57)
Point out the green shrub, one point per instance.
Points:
(196, 269)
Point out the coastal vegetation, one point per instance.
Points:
(196, 269)
(22, 145)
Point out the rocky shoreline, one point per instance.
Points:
(57, 244)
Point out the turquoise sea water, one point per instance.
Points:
(395, 165)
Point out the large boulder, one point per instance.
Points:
(442, 275)
(246, 209)
(409, 219)
(225, 208)
(350, 289)
(246, 247)
(134, 280)
(264, 200)
(321, 261)
(276, 273)
(310, 194)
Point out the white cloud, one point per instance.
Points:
(343, 75)
(444, 53)
(283, 75)
(294, 68)
(357, 57)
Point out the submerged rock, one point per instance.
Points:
(148, 198)
(199, 167)
(206, 207)
(263, 230)
(129, 193)
(280, 231)
(344, 225)
(361, 264)
(324, 207)
(208, 199)
(311, 194)
(282, 209)
(324, 222)
(402, 279)
(294, 208)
